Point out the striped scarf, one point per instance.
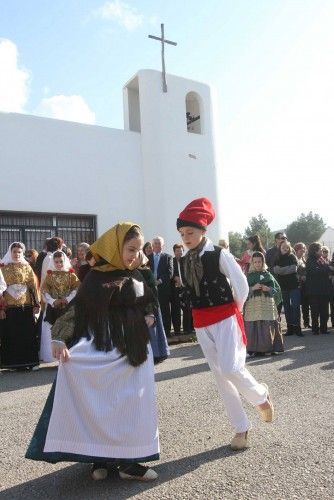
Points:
(193, 267)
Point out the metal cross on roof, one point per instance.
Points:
(163, 41)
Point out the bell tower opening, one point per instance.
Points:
(193, 113)
(132, 106)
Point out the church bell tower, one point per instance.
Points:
(180, 152)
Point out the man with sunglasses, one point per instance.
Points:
(273, 252)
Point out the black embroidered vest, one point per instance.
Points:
(215, 290)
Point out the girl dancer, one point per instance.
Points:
(104, 406)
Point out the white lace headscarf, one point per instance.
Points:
(67, 264)
(16, 290)
(8, 259)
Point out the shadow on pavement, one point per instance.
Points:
(74, 482)
(181, 372)
(14, 381)
(303, 351)
(189, 351)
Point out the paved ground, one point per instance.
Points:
(292, 458)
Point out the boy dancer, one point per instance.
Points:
(217, 289)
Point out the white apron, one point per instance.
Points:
(45, 352)
(103, 406)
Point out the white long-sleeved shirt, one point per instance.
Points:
(50, 300)
(3, 284)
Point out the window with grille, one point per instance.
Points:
(34, 228)
(193, 113)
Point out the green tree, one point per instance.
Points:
(306, 228)
(259, 225)
(237, 243)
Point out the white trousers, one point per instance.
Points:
(225, 352)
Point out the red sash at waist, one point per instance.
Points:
(207, 316)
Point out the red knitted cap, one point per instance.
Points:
(199, 213)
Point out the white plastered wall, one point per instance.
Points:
(149, 176)
(56, 166)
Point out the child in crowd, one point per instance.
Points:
(102, 407)
(253, 245)
(58, 289)
(217, 290)
(262, 324)
(285, 271)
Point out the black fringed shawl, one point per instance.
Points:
(107, 307)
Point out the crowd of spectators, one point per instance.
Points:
(305, 275)
(295, 279)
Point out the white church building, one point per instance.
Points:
(76, 181)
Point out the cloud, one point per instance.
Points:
(121, 13)
(14, 89)
(153, 20)
(14, 81)
(71, 108)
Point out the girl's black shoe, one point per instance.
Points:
(137, 471)
(99, 471)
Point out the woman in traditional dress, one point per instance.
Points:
(19, 346)
(58, 289)
(52, 245)
(105, 388)
(263, 329)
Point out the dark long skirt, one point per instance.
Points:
(158, 340)
(36, 446)
(264, 336)
(19, 344)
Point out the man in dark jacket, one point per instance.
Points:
(273, 252)
(161, 265)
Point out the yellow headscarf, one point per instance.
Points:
(110, 246)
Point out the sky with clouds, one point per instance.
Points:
(271, 61)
